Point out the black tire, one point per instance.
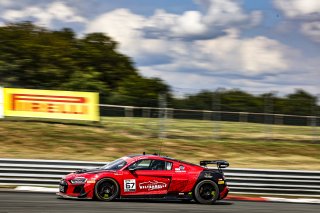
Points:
(206, 192)
(106, 189)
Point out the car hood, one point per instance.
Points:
(91, 171)
(87, 173)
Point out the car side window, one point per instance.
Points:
(157, 165)
(160, 165)
(151, 165)
(141, 165)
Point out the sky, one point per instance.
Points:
(253, 45)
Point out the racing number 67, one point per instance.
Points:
(130, 185)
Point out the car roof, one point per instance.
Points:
(145, 156)
(135, 157)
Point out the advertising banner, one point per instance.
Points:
(1, 103)
(51, 104)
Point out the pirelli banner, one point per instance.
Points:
(1, 103)
(51, 104)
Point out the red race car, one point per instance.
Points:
(148, 176)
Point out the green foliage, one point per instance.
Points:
(298, 103)
(38, 58)
(139, 92)
(226, 100)
(35, 57)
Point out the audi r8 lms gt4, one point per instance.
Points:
(148, 176)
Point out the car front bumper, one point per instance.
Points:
(81, 191)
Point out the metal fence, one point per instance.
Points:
(24, 172)
(155, 112)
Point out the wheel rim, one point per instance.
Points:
(106, 190)
(207, 191)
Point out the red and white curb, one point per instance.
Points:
(234, 197)
(229, 197)
(274, 199)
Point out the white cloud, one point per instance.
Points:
(285, 83)
(307, 12)
(259, 63)
(5, 2)
(218, 15)
(189, 23)
(312, 29)
(44, 16)
(127, 28)
(159, 36)
(229, 54)
(163, 24)
(184, 83)
(120, 24)
(262, 54)
(298, 8)
(228, 61)
(60, 11)
(250, 56)
(222, 12)
(163, 33)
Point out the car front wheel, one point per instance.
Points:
(206, 192)
(106, 189)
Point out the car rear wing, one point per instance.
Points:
(220, 163)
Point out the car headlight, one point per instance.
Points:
(78, 180)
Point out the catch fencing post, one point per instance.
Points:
(216, 112)
(128, 111)
(278, 119)
(243, 117)
(146, 112)
(162, 119)
(170, 113)
(312, 121)
(206, 115)
(315, 119)
(268, 117)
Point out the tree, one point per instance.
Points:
(98, 52)
(228, 100)
(35, 57)
(299, 103)
(139, 92)
(240, 101)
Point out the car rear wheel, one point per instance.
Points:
(206, 192)
(106, 189)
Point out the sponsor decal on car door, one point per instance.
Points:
(153, 182)
(153, 185)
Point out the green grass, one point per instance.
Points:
(242, 144)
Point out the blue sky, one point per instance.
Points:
(253, 45)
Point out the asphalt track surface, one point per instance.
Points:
(40, 202)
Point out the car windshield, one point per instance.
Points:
(115, 165)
